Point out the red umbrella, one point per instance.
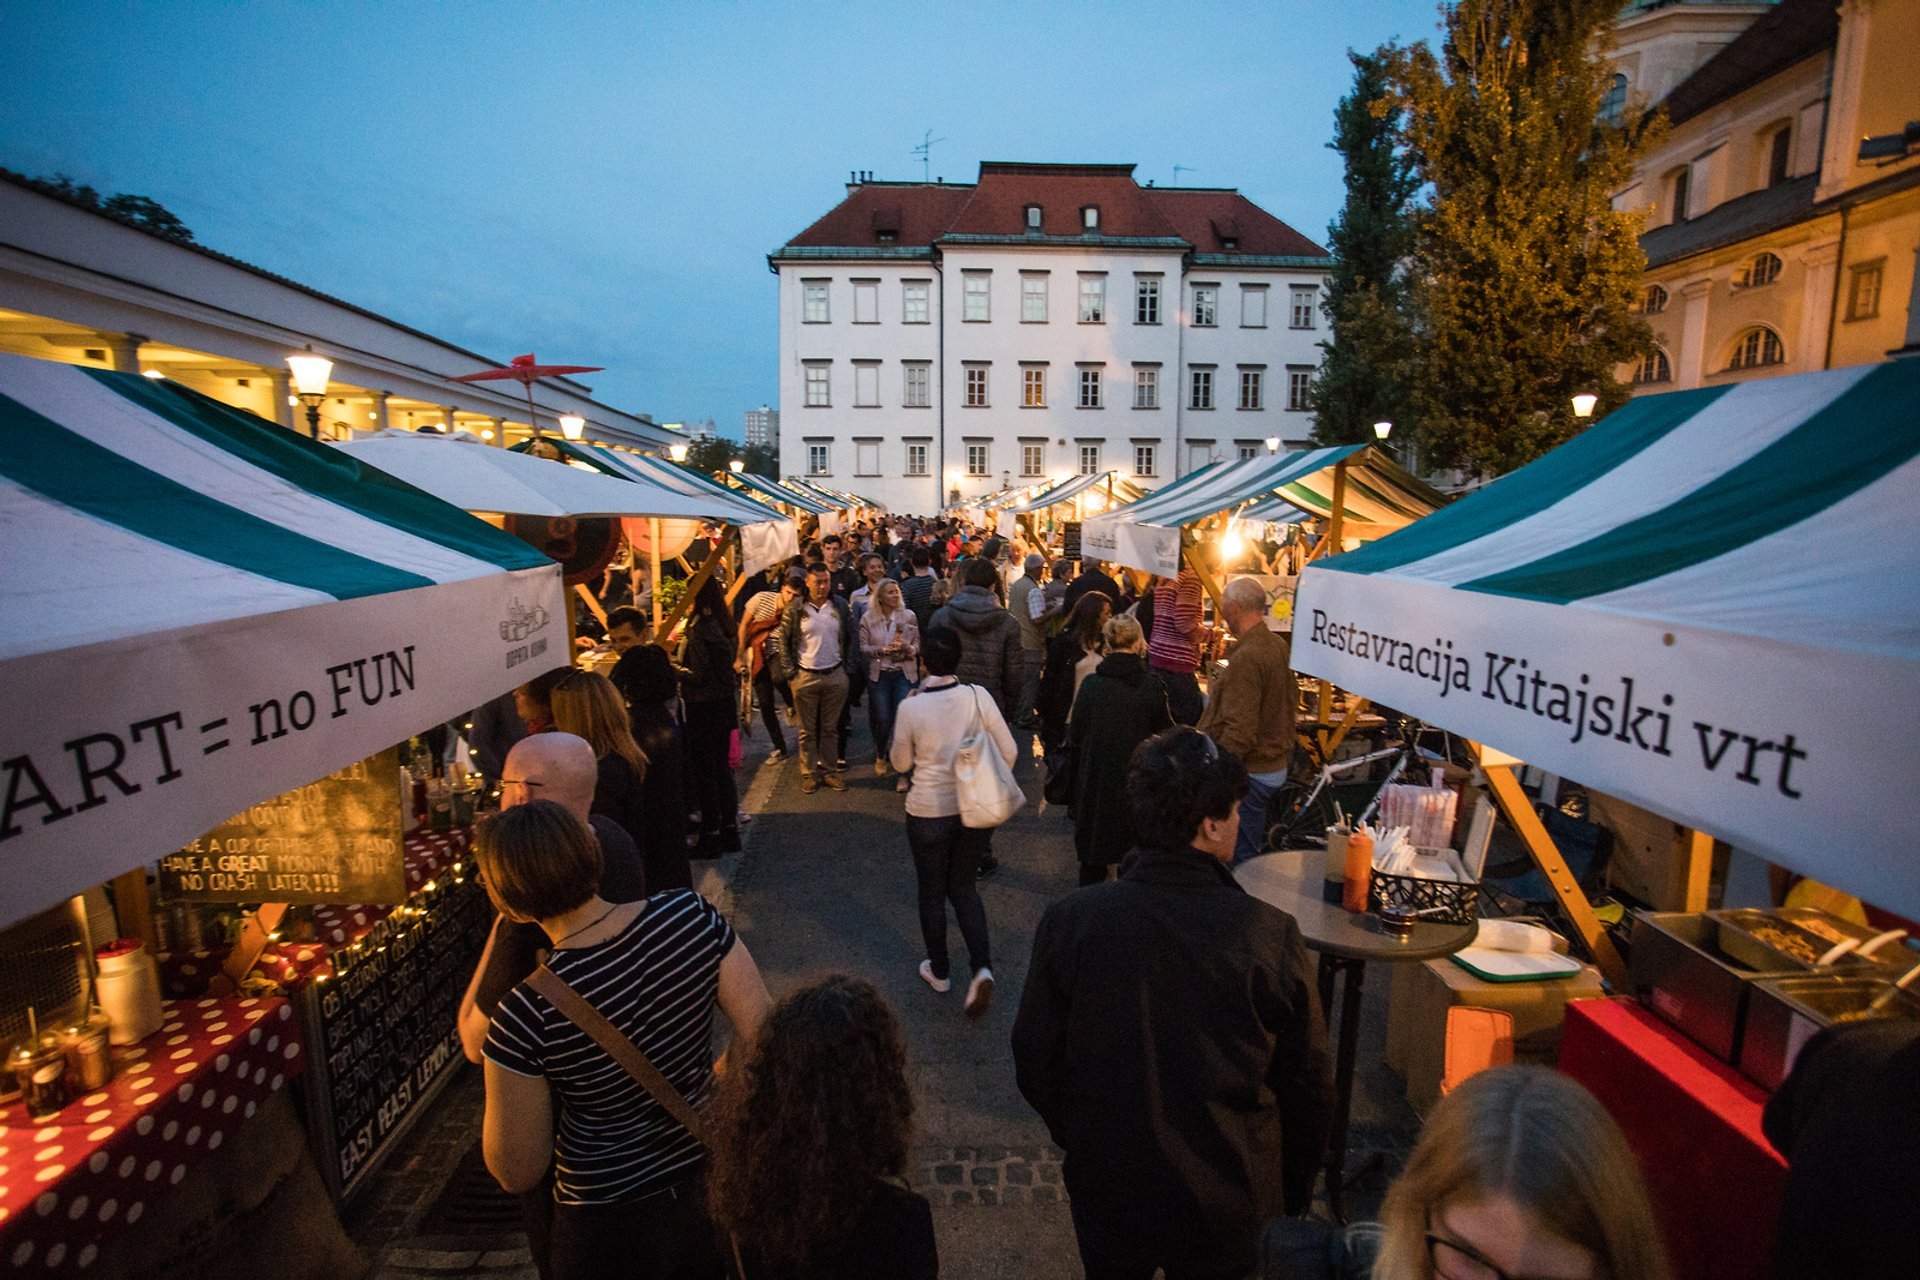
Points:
(526, 370)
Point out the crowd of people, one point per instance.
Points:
(1169, 1032)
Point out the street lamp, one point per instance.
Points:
(678, 452)
(310, 375)
(1583, 404)
(1381, 430)
(737, 466)
(1273, 444)
(572, 426)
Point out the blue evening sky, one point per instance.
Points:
(601, 183)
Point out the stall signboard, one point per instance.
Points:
(1070, 540)
(386, 1026)
(334, 840)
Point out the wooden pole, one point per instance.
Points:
(1513, 802)
(653, 538)
(593, 605)
(1331, 546)
(681, 609)
(1696, 871)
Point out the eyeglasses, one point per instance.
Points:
(1455, 1261)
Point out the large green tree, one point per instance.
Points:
(1524, 277)
(1367, 370)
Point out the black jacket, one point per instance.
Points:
(1092, 580)
(709, 662)
(1171, 1037)
(663, 836)
(786, 638)
(1120, 706)
(989, 643)
(1055, 699)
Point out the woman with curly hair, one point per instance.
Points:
(808, 1139)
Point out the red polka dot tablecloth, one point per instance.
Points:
(429, 854)
(70, 1182)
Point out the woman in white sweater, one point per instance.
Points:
(946, 852)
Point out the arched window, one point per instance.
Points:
(1654, 301)
(1679, 185)
(1090, 217)
(1756, 348)
(1777, 141)
(1764, 269)
(1033, 217)
(1653, 367)
(1613, 103)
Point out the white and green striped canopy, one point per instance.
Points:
(778, 491)
(1707, 604)
(1122, 488)
(200, 610)
(1146, 534)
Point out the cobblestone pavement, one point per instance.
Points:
(825, 885)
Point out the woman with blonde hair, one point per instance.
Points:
(890, 641)
(588, 705)
(1520, 1172)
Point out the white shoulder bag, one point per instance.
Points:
(981, 779)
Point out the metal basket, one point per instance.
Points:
(1449, 901)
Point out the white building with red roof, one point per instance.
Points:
(943, 340)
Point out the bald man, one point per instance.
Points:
(562, 768)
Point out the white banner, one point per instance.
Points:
(114, 754)
(1137, 546)
(767, 542)
(1797, 755)
(829, 523)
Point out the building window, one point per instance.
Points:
(916, 459)
(1779, 155)
(817, 395)
(866, 385)
(1206, 306)
(915, 395)
(1146, 300)
(1093, 299)
(1143, 455)
(1033, 298)
(1298, 383)
(1863, 290)
(1090, 389)
(1755, 348)
(1090, 218)
(1679, 184)
(817, 464)
(1253, 306)
(1199, 454)
(1246, 450)
(977, 460)
(1033, 218)
(1033, 460)
(1033, 387)
(914, 308)
(1089, 459)
(976, 297)
(1653, 367)
(976, 387)
(1304, 297)
(1763, 270)
(1654, 301)
(1613, 103)
(1250, 380)
(866, 457)
(1146, 388)
(813, 302)
(866, 302)
(1202, 394)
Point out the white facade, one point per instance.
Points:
(911, 375)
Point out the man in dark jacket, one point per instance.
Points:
(989, 637)
(1093, 577)
(1171, 1038)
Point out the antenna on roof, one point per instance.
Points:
(1180, 169)
(925, 152)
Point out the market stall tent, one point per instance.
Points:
(200, 610)
(1707, 604)
(1075, 497)
(776, 492)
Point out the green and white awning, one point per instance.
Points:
(1146, 534)
(1102, 482)
(776, 491)
(200, 610)
(1708, 604)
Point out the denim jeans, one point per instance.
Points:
(1253, 813)
(883, 704)
(946, 860)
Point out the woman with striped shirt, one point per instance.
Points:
(628, 1193)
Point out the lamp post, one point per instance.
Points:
(310, 376)
(1583, 404)
(678, 452)
(572, 426)
(737, 465)
(1273, 444)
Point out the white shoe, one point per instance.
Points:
(979, 993)
(942, 985)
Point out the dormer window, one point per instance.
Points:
(1229, 243)
(1033, 219)
(1090, 217)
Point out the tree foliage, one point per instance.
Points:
(1524, 277)
(1366, 374)
(709, 456)
(146, 213)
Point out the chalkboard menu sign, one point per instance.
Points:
(1070, 540)
(335, 840)
(384, 1028)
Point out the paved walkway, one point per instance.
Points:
(825, 885)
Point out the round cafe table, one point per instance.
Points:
(1345, 942)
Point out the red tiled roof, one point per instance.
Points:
(922, 212)
(1203, 217)
(919, 214)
